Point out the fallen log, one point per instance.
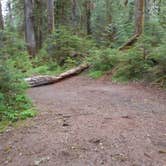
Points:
(41, 80)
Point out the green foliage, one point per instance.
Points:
(13, 61)
(103, 59)
(142, 62)
(95, 74)
(27, 113)
(132, 66)
(158, 71)
(63, 47)
(14, 51)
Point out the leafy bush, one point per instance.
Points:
(63, 47)
(158, 70)
(132, 66)
(142, 62)
(95, 74)
(103, 59)
(13, 101)
(14, 51)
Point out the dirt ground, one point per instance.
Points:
(84, 122)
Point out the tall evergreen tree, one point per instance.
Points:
(29, 27)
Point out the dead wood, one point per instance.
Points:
(41, 80)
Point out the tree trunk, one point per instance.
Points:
(1, 17)
(39, 17)
(109, 11)
(74, 13)
(88, 16)
(29, 27)
(45, 80)
(50, 14)
(10, 20)
(147, 10)
(139, 16)
(139, 24)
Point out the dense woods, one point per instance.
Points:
(125, 38)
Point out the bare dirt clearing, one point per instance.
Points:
(83, 122)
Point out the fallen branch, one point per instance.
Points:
(45, 79)
(129, 43)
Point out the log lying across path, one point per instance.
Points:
(36, 81)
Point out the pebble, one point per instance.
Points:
(41, 160)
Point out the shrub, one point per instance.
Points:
(14, 51)
(13, 101)
(142, 62)
(63, 47)
(158, 70)
(103, 59)
(132, 66)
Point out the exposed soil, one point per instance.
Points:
(83, 122)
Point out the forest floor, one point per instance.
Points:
(86, 122)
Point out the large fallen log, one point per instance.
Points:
(41, 80)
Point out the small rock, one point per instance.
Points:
(41, 160)
(95, 140)
(101, 145)
(66, 116)
(8, 130)
(65, 125)
(102, 162)
(126, 117)
(162, 151)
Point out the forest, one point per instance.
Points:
(45, 41)
(123, 38)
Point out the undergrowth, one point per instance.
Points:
(142, 62)
(14, 62)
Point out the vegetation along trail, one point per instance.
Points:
(86, 122)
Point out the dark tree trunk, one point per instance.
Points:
(50, 13)
(74, 12)
(147, 9)
(139, 16)
(39, 5)
(109, 11)
(29, 27)
(88, 16)
(1, 17)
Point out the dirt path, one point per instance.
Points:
(83, 122)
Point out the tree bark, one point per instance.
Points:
(45, 80)
(109, 11)
(74, 12)
(139, 24)
(29, 27)
(39, 17)
(88, 16)
(50, 14)
(147, 10)
(139, 16)
(1, 17)
(10, 20)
